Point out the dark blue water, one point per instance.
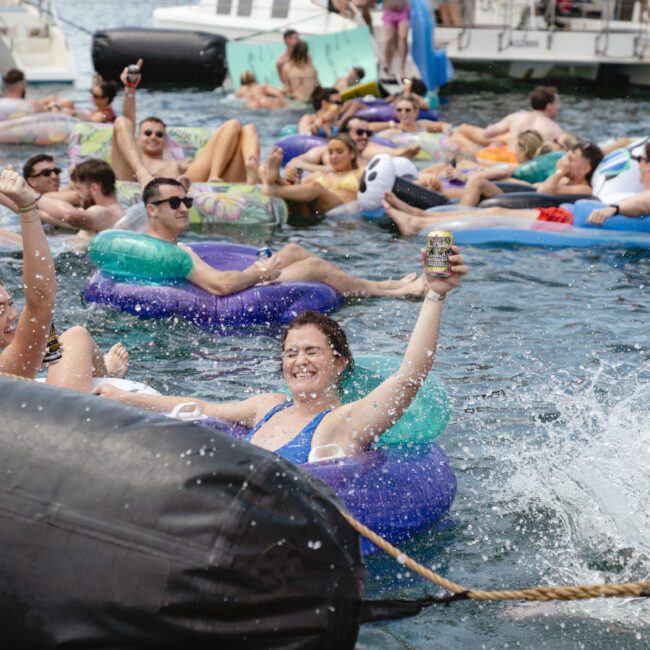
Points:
(546, 358)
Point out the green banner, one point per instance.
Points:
(332, 54)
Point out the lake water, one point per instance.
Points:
(546, 358)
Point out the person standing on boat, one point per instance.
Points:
(545, 104)
(397, 22)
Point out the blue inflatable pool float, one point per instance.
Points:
(403, 486)
(267, 305)
(625, 232)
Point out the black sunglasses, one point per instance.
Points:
(639, 158)
(175, 202)
(338, 102)
(149, 133)
(403, 110)
(367, 132)
(48, 172)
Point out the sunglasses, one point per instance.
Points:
(338, 102)
(158, 134)
(361, 132)
(175, 202)
(640, 159)
(48, 172)
(403, 110)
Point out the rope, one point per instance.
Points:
(56, 16)
(542, 593)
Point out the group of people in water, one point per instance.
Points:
(315, 352)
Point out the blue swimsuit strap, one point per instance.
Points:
(268, 416)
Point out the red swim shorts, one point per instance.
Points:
(394, 18)
(558, 215)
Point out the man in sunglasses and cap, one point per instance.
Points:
(167, 210)
(358, 129)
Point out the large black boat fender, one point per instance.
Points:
(530, 200)
(171, 56)
(120, 528)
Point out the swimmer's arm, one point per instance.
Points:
(635, 206)
(71, 195)
(224, 283)
(434, 127)
(374, 414)
(273, 91)
(310, 161)
(498, 128)
(306, 123)
(95, 217)
(381, 126)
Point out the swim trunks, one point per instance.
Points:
(556, 215)
(394, 18)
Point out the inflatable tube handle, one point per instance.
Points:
(187, 411)
(338, 452)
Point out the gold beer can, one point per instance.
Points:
(53, 350)
(438, 250)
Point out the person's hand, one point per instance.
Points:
(292, 173)
(458, 270)
(600, 215)
(110, 391)
(15, 187)
(407, 86)
(124, 79)
(411, 152)
(269, 269)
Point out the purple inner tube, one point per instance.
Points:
(268, 305)
(386, 113)
(396, 492)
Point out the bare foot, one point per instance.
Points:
(252, 170)
(391, 199)
(407, 224)
(116, 361)
(273, 163)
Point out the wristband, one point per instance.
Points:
(617, 209)
(436, 297)
(24, 209)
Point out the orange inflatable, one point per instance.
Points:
(497, 152)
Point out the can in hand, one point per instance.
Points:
(53, 352)
(263, 255)
(438, 250)
(133, 73)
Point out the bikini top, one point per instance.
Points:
(347, 183)
(298, 448)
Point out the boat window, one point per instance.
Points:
(280, 8)
(245, 7)
(224, 6)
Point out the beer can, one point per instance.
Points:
(133, 73)
(263, 254)
(53, 352)
(438, 249)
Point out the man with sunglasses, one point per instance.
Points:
(358, 129)
(637, 205)
(167, 209)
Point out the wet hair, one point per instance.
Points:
(299, 53)
(108, 88)
(30, 163)
(345, 124)
(98, 171)
(359, 72)
(12, 77)
(247, 77)
(150, 192)
(419, 87)
(335, 334)
(542, 96)
(530, 142)
(590, 152)
(288, 34)
(320, 95)
(646, 149)
(152, 118)
(349, 143)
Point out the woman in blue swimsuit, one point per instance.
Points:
(315, 356)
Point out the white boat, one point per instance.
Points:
(257, 21)
(519, 38)
(31, 39)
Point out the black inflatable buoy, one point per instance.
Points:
(174, 57)
(124, 529)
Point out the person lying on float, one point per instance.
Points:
(93, 187)
(317, 158)
(315, 358)
(634, 206)
(24, 336)
(167, 209)
(231, 154)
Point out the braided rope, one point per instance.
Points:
(543, 593)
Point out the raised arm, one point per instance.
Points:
(128, 102)
(223, 283)
(24, 354)
(355, 426)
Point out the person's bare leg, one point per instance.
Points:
(315, 269)
(82, 360)
(476, 189)
(291, 254)
(247, 147)
(402, 36)
(125, 155)
(466, 146)
(474, 134)
(213, 159)
(390, 36)
(398, 204)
